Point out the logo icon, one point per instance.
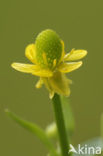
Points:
(72, 149)
(85, 149)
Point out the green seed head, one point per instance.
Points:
(48, 49)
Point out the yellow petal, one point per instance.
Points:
(33, 69)
(75, 55)
(30, 53)
(43, 73)
(58, 83)
(26, 68)
(48, 86)
(68, 67)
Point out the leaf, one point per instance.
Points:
(31, 127)
(95, 142)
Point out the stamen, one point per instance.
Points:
(51, 94)
(54, 63)
(62, 45)
(68, 54)
(45, 59)
(72, 50)
(63, 52)
(39, 83)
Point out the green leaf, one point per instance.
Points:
(95, 142)
(31, 127)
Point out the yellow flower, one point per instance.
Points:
(50, 62)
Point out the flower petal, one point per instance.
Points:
(30, 53)
(48, 86)
(33, 69)
(43, 73)
(68, 67)
(26, 68)
(58, 83)
(75, 55)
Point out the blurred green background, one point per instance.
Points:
(80, 25)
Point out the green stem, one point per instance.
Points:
(60, 125)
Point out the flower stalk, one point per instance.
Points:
(64, 144)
